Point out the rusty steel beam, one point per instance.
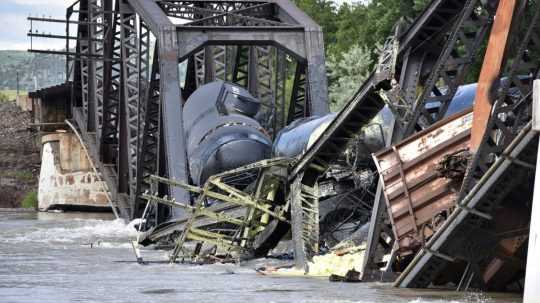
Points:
(491, 69)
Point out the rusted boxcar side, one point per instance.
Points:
(420, 185)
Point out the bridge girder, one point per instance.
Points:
(129, 107)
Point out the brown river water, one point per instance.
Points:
(48, 257)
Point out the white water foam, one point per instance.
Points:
(470, 297)
(102, 233)
(433, 301)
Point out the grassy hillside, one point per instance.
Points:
(8, 57)
(35, 70)
(10, 94)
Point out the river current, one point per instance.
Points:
(57, 257)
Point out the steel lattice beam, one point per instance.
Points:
(85, 67)
(514, 95)
(299, 107)
(97, 34)
(427, 47)
(130, 86)
(264, 90)
(280, 88)
(254, 24)
(111, 77)
(240, 68)
(174, 148)
(195, 10)
(449, 70)
(131, 113)
(495, 173)
(148, 158)
(220, 62)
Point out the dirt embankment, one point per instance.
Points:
(19, 156)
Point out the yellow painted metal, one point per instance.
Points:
(259, 206)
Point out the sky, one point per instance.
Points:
(14, 26)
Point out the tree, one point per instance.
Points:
(346, 74)
(352, 33)
(365, 23)
(324, 13)
(349, 29)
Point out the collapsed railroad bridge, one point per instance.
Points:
(184, 112)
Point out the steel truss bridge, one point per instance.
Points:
(127, 96)
(127, 91)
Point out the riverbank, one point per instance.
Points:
(19, 158)
(17, 210)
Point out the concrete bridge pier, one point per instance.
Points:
(67, 180)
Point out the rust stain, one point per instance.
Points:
(491, 69)
(421, 198)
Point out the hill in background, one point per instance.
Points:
(35, 70)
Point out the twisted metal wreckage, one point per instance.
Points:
(226, 169)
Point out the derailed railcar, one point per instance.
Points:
(421, 178)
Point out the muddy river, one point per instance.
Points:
(55, 257)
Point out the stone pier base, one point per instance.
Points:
(67, 180)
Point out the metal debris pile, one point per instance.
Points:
(231, 217)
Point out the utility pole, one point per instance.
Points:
(17, 83)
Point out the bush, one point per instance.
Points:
(19, 175)
(30, 200)
(25, 176)
(346, 75)
(4, 97)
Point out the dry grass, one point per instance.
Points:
(10, 95)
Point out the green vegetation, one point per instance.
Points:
(34, 70)
(346, 74)
(4, 97)
(10, 95)
(352, 35)
(21, 175)
(30, 200)
(364, 23)
(11, 57)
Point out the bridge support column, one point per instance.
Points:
(532, 276)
